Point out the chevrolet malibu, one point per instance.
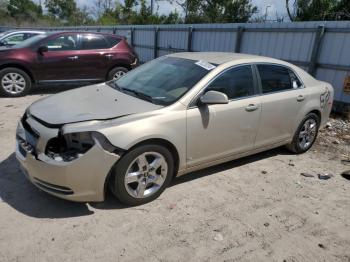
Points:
(179, 113)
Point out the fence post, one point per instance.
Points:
(114, 30)
(132, 36)
(239, 37)
(316, 50)
(189, 39)
(155, 46)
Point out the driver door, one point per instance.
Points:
(61, 62)
(218, 131)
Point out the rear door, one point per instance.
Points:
(282, 98)
(60, 62)
(95, 58)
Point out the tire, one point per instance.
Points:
(14, 82)
(139, 188)
(302, 135)
(115, 71)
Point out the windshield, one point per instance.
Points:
(30, 41)
(162, 81)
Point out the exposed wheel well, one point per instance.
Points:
(316, 112)
(19, 67)
(166, 144)
(157, 141)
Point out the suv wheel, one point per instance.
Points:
(305, 135)
(14, 82)
(142, 174)
(117, 72)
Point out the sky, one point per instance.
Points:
(164, 7)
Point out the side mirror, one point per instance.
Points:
(43, 49)
(214, 97)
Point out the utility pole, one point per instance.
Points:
(152, 5)
(267, 7)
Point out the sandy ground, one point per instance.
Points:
(255, 209)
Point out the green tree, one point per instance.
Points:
(316, 10)
(61, 9)
(24, 10)
(216, 11)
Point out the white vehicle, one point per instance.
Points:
(11, 38)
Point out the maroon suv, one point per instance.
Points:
(65, 57)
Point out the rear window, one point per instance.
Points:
(113, 41)
(93, 42)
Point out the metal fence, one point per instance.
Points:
(321, 48)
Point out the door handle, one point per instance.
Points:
(251, 108)
(300, 98)
(109, 56)
(73, 57)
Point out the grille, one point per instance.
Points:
(53, 188)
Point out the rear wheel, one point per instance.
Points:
(117, 73)
(142, 174)
(306, 134)
(14, 82)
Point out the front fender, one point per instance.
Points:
(127, 132)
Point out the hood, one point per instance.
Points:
(96, 102)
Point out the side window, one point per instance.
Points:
(93, 42)
(63, 43)
(295, 80)
(14, 39)
(235, 83)
(29, 35)
(274, 78)
(112, 41)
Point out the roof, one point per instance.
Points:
(221, 57)
(22, 31)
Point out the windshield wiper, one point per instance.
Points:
(138, 94)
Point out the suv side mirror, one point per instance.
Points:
(214, 97)
(43, 49)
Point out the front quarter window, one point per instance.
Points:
(164, 80)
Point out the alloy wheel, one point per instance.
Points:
(13, 83)
(118, 74)
(145, 175)
(307, 133)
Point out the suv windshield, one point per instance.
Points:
(30, 41)
(162, 81)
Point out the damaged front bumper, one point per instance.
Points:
(80, 179)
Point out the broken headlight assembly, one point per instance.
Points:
(71, 146)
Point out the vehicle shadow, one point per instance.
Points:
(20, 194)
(111, 203)
(229, 165)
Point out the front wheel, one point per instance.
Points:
(142, 174)
(305, 135)
(14, 82)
